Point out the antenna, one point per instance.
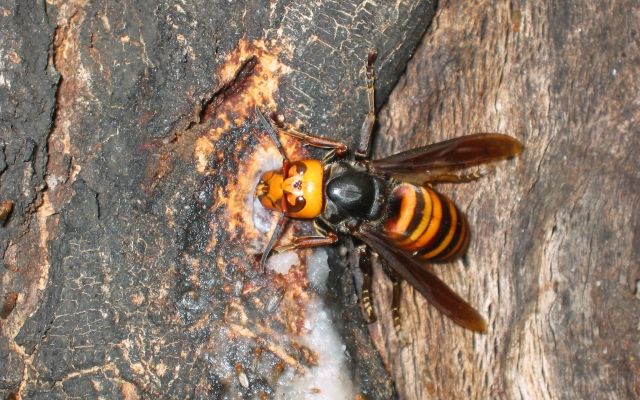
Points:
(269, 128)
(275, 236)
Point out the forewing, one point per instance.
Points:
(453, 154)
(432, 288)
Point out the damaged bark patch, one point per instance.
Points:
(251, 77)
(129, 149)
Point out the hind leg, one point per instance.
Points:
(366, 300)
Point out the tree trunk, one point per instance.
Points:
(129, 153)
(554, 260)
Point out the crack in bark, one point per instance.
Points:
(236, 84)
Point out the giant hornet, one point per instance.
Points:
(387, 205)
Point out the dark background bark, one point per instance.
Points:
(123, 249)
(129, 152)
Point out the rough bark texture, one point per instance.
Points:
(128, 154)
(554, 261)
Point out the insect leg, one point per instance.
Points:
(336, 147)
(321, 227)
(396, 300)
(305, 242)
(370, 119)
(364, 262)
(395, 305)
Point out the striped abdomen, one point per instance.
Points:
(426, 223)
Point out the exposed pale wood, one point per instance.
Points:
(554, 262)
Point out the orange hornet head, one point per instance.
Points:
(296, 191)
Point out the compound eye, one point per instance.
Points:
(297, 168)
(303, 189)
(297, 204)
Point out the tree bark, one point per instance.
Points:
(554, 257)
(129, 152)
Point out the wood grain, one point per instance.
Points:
(554, 261)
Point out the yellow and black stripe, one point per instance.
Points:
(426, 223)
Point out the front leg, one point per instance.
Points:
(335, 147)
(324, 237)
(307, 242)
